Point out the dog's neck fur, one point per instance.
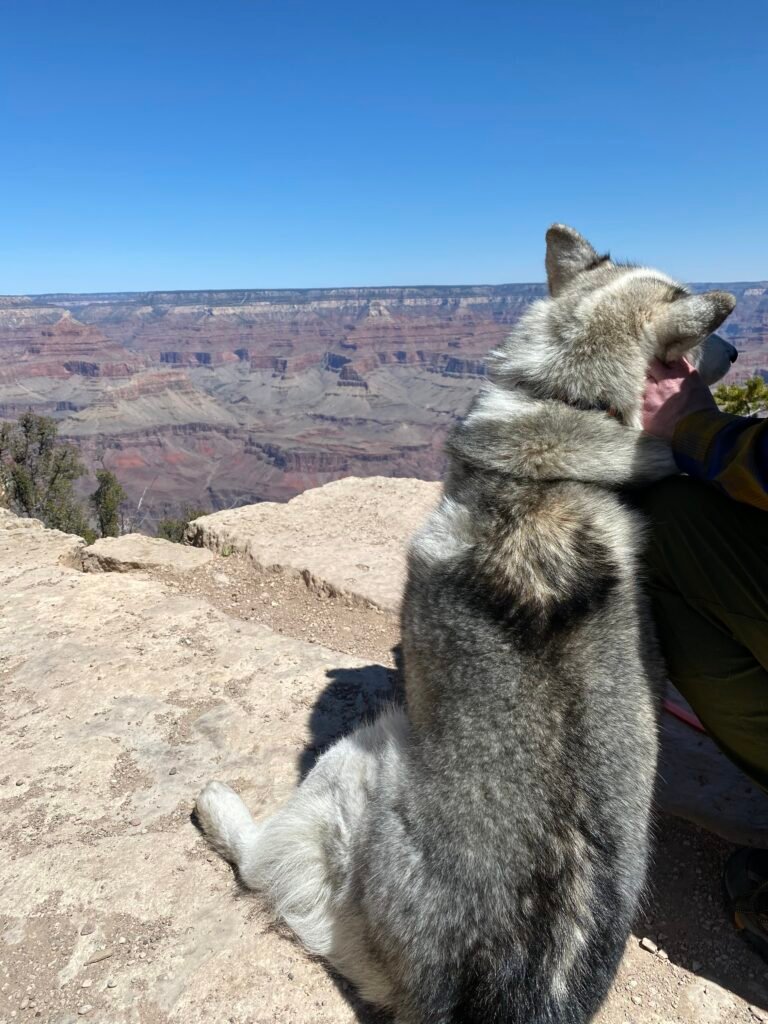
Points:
(583, 404)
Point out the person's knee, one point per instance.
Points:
(679, 499)
(684, 518)
(700, 542)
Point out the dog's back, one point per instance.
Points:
(479, 856)
(532, 759)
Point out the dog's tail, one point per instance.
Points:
(301, 857)
(228, 825)
(284, 857)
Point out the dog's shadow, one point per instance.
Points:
(364, 1012)
(352, 697)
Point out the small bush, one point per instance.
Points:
(38, 472)
(743, 399)
(106, 501)
(173, 528)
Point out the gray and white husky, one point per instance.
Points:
(478, 856)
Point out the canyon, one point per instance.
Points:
(216, 399)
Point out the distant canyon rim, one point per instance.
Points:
(215, 399)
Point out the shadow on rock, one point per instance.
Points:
(685, 916)
(352, 697)
(364, 1012)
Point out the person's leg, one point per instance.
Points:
(707, 576)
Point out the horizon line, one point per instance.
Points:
(321, 288)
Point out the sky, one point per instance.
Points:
(250, 144)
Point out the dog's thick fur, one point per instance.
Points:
(478, 857)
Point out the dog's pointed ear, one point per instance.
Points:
(567, 254)
(682, 324)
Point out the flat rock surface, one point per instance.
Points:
(121, 695)
(120, 699)
(134, 551)
(348, 537)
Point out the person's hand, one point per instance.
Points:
(671, 393)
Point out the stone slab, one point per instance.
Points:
(697, 782)
(348, 537)
(134, 552)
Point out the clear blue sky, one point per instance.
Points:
(248, 143)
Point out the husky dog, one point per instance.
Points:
(477, 858)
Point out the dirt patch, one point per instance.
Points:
(287, 605)
(68, 961)
(127, 776)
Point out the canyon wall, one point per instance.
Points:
(224, 398)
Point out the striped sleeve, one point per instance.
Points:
(728, 451)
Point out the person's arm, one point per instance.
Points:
(730, 452)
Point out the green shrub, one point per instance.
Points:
(173, 527)
(38, 474)
(743, 399)
(106, 501)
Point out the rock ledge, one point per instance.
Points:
(347, 538)
(134, 551)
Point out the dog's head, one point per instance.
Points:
(591, 341)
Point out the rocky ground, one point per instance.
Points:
(123, 692)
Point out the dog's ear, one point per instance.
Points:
(567, 255)
(682, 324)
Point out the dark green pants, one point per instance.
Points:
(707, 574)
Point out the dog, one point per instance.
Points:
(477, 856)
